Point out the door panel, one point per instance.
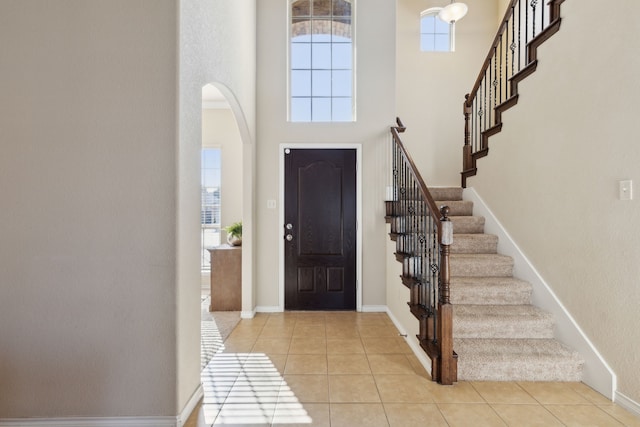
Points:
(320, 213)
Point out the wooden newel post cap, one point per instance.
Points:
(444, 211)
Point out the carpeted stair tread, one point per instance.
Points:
(446, 193)
(501, 321)
(516, 360)
(477, 265)
(474, 244)
(467, 224)
(457, 207)
(490, 291)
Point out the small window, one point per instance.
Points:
(435, 34)
(321, 61)
(210, 203)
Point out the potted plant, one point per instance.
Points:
(234, 233)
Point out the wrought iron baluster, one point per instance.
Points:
(500, 75)
(519, 33)
(513, 41)
(534, 3)
(526, 26)
(484, 111)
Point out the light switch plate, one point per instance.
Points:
(626, 190)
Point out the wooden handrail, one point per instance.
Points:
(512, 57)
(469, 98)
(433, 208)
(435, 316)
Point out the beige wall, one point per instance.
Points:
(99, 179)
(552, 177)
(88, 224)
(432, 85)
(375, 34)
(220, 130)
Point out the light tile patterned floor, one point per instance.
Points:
(352, 369)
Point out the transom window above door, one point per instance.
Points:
(321, 77)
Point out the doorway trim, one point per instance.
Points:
(321, 146)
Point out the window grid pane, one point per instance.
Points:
(321, 58)
(435, 35)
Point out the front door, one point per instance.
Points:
(320, 229)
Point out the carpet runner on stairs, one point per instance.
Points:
(498, 334)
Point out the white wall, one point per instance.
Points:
(217, 45)
(88, 224)
(431, 86)
(552, 175)
(375, 35)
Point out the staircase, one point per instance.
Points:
(497, 334)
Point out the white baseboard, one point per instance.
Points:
(413, 344)
(110, 421)
(278, 309)
(268, 309)
(248, 314)
(627, 403)
(197, 395)
(597, 373)
(375, 309)
(90, 422)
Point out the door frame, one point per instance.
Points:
(321, 146)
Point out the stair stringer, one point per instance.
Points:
(596, 371)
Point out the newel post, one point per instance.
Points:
(466, 151)
(448, 370)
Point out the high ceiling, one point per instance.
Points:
(213, 98)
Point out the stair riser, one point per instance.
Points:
(456, 207)
(498, 328)
(474, 244)
(543, 370)
(446, 193)
(412, 206)
(467, 225)
(479, 295)
(465, 268)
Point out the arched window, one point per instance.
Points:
(435, 34)
(321, 61)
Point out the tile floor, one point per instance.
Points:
(353, 369)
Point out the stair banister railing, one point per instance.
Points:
(423, 234)
(511, 57)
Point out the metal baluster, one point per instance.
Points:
(484, 111)
(513, 41)
(534, 3)
(494, 82)
(519, 33)
(478, 118)
(500, 79)
(506, 64)
(526, 26)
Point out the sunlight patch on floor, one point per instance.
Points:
(246, 388)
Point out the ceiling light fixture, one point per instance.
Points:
(453, 12)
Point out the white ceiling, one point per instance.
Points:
(212, 98)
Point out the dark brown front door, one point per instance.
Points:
(320, 229)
